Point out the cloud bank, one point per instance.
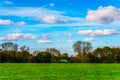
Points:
(44, 41)
(10, 22)
(89, 39)
(104, 14)
(98, 32)
(17, 36)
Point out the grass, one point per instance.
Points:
(59, 71)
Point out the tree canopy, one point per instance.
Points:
(82, 47)
(11, 53)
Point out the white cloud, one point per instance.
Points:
(44, 41)
(104, 14)
(68, 34)
(8, 2)
(48, 18)
(70, 41)
(52, 19)
(85, 32)
(98, 32)
(89, 39)
(28, 11)
(6, 22)
(46, 36)
(9, 22)
(21, 23)
(56, 18)
(41, 14)
(18, 36)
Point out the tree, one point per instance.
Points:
(53, 51)
(9, 46)
(31, 59)
(35, 52)
(73, 59)
(22, 56)
(44, 57)
(115, 54)
(82, 47)
(24, 48)
(104, 54)
(56, 55)
(65, 56)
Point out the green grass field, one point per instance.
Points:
(59, 71)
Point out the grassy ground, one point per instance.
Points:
(59, 71)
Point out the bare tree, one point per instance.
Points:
(82, 47)
(9, 46)
(24, 48)
(53, 51)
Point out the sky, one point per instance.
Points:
(42, 24)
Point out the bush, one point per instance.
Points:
(63, 61)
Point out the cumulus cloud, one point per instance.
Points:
(104, 14)
(6, 22)
(85, 32)
(98, 32)
(68, 34)
(21, 23)
(46, 36)
(51, 19)
(10, 22)
(44, 41)
(18, 36)
(8, 2)
(89, 39)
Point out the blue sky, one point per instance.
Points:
(58, 24)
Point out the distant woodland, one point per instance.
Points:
(11, 53)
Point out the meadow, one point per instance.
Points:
(61, 71)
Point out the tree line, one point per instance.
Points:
(11, 53)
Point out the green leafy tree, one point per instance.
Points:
(65, 56)
(44, 57)
(22, 56)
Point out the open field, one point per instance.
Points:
(59, 71)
